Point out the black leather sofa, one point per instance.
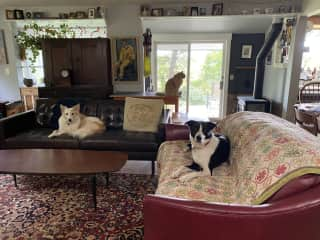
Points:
(31, 130)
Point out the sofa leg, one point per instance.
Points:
(152, 167)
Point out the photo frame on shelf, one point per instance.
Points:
(194, 11)
(246, 51)
(157, 12)
(125, 62)
(3, 49)
(10, 14)
(18, 14)
(217, 9)
(91, 13)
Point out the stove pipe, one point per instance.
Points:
(260, 62)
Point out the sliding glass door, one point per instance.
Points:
(203, 63)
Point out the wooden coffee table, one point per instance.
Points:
(61, 162)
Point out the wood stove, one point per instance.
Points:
(249, 103)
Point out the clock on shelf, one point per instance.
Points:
(65, 73)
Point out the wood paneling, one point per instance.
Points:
(89, 61)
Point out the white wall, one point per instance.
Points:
(9, 84)
(311, 7)
(281, 85)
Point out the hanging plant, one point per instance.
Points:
(29, 38)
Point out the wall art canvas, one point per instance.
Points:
(125, 59)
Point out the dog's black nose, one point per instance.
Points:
(70, 120)
(198, 138)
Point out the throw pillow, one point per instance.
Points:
(142, 115)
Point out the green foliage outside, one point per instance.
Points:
(201, 88)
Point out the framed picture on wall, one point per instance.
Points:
(91, 13)
(246, 51)
(3, 50)
(125, 59)
(217, 9)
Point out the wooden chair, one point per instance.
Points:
(310, 92)
(307, 121)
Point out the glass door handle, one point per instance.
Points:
(221, 85)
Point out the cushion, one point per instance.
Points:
(142, 115)
(38, 138)
(119, 140)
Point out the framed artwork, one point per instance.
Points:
(3, 50)
(91, 13)
(125, 59)
(246, 51)
(18, 14)
(217, 9)
(10, 14)
(194, 11)
(157, 12)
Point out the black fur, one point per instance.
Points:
(195, 167)
(222, 151)
(221, 154)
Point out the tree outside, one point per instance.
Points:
(205, 74)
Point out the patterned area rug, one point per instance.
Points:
(61, 207)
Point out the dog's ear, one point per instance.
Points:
(76, 107)
(62, 108)
(190, 123)
(210, 125)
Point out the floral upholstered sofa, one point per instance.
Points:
(271, 189)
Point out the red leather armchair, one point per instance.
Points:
(293, 213)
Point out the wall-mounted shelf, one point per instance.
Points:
(96, 22)
(219, 24)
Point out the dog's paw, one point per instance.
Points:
(184, 179)
(53, 134)
(176, 174)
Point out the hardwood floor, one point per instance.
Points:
(137, 167)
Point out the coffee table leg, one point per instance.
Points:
(94, 190)
(15, 180)
(106, 175)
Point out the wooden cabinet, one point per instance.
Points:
(29, 96)
(87, 60)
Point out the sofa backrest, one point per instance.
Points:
(268, 153)
(110, 111)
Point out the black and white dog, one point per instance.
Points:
(209, 151)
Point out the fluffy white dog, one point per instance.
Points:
(75, 124)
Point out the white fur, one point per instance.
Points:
(75, 124)
(201, 154)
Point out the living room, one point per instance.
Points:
(237, 64)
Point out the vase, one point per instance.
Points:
(28, 82)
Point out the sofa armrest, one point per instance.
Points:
(14, 124)
(176, 132)
(294, 218)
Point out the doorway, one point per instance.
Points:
(204, 90)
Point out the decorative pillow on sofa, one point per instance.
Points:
(142, 115)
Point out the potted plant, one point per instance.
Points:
(29, 38)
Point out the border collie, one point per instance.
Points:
(209, 151)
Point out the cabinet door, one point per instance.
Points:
(91, 62)
(57, 56)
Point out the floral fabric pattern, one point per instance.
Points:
(266, 153)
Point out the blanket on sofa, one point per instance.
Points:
(267, 152)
